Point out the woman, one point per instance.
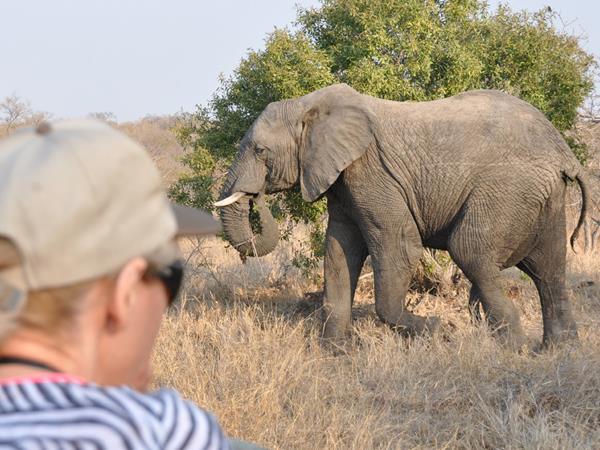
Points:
(88, 265)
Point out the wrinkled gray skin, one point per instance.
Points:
(482, 175)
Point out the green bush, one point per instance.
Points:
(393, 49)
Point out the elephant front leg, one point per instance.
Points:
(344, 258)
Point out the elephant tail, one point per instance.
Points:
(581, 180)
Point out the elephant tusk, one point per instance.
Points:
(229, 200)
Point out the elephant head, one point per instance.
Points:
(309, 140)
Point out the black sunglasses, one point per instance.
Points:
(171, 277)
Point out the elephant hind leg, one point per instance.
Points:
(499, 311)
(559, 324)
(546, 264)
(475, 255)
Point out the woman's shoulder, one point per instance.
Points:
(162, 416)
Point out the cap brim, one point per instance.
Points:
(194, 222)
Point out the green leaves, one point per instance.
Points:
(399, 50)
(525, 55)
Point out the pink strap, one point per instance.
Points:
(42, 377)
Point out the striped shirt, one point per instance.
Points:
(56, 412)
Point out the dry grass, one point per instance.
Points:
(245, 346)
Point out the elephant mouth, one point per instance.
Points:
(248, 223)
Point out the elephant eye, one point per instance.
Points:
(260, 150)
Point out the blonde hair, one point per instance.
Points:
(49, 310)
(45, 309)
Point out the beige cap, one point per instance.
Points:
(78, 199)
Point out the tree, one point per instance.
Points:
(13, 111)
(393, 49)
(16, 112)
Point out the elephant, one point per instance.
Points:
(481, 174)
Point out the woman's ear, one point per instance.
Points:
(336, 131)
(120, 303)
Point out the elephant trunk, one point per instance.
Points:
(238, 230)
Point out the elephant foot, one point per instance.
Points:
(336, 337)
(558, 335)
(512, 337)
(336, 331)
(339, 345)
(412, 325)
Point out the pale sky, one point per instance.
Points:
(138, 57)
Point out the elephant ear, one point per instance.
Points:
(336, 131)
